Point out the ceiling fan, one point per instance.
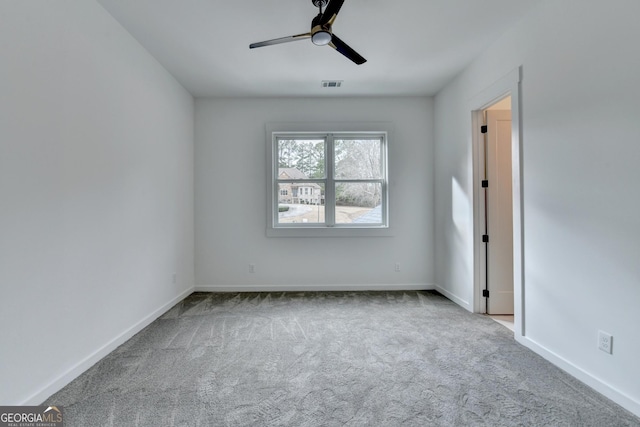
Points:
(321, 33)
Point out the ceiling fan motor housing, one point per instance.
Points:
(320, 34)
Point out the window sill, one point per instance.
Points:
(330, 232)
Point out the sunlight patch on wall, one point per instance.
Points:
(460, 208)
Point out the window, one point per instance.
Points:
(338, 183)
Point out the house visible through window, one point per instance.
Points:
(329, 180)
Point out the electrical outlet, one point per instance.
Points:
(605, 342)
(174, 278)
(252, 268)
(396, 268)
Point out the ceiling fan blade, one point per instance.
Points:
(331, 12)
(344, 49)
(280, 40)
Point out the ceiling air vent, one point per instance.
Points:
(331, 83)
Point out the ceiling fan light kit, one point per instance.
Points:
(321, 38)
(321, 33)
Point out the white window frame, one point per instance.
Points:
(332, 130)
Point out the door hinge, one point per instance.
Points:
(485, 238)
(485, 293)
(485, 183)
(483, 129)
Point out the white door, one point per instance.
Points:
(499, 213)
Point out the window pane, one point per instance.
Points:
(304, 203)
(359, 202)
(357, 159)
(301, 158)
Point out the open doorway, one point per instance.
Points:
(498, 213)
(496, 140)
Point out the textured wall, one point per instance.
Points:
(231, 198)
(96, 184)
(580, 163)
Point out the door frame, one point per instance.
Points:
(509, 85)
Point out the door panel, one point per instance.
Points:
(500, 213)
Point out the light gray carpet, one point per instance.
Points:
(329, 359)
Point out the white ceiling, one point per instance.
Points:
(412, 47)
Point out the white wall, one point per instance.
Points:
(231, 200)
(581, 127)
(96, 191)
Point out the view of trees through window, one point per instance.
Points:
(307, 156)
(359, 160)
(357, 180)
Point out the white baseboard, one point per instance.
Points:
(462, 303)
(595, 383)
(80, 367)
(315, 288)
